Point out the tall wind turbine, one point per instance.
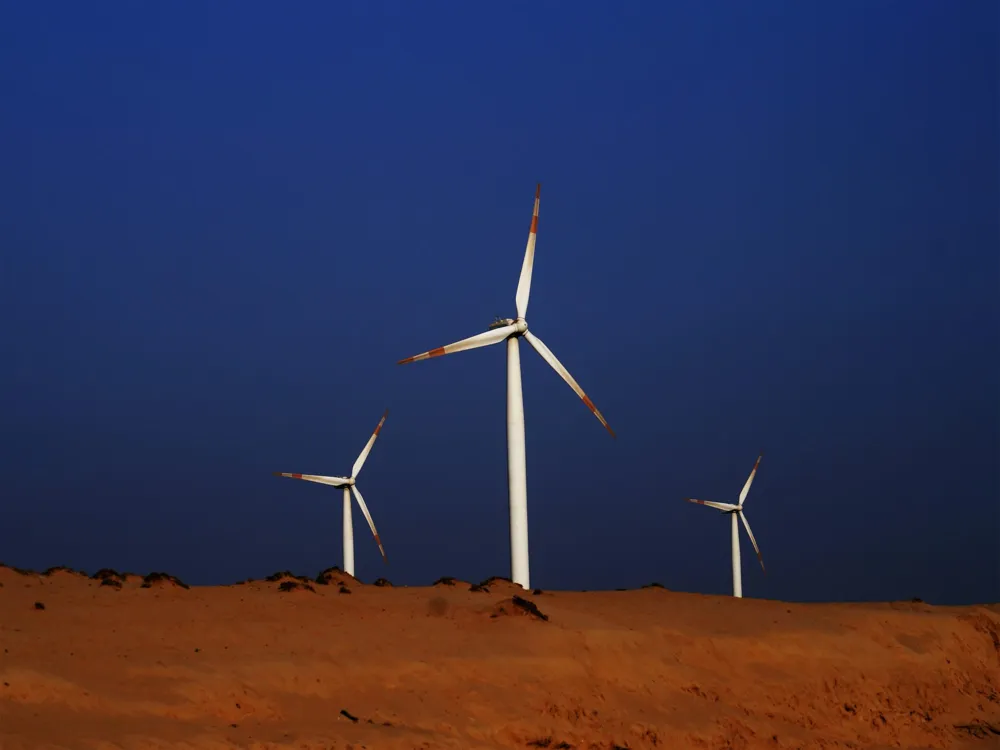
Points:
(349, 486)
(734, 511)
(510, 330)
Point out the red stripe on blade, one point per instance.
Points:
(534, 225)
(436, 352)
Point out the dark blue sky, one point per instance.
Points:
(764, 226)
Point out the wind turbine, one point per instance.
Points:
(349, 486)
(734, 511)
(510, 330)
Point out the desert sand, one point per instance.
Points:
(116, 662)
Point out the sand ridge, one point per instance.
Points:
(328, 662)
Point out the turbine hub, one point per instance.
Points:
(522, 325)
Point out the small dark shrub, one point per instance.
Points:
(287, 574)
(530, 607)
(294, 585)
(105, 573)
(62, 568)
(495, 579)
(151, 578)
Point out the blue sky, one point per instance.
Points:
(764, 227)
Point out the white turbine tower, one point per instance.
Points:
(734, 511)
(348, 484)
(510, 330)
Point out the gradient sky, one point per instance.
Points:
(765, 226)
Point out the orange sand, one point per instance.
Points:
(251, 666)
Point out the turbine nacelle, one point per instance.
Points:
(520, 325)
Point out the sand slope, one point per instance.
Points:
(250, 665)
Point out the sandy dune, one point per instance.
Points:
(337, 665)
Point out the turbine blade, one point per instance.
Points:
(368, 517)
(712, 504)
(746, 487)
(368, 447)
(556, 365)
(473, 342)
(753, 541)
(335, 481)
(524, 283)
